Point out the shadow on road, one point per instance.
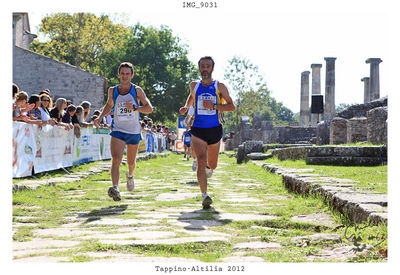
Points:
(97, 214)
(191, 183)
(202, 219)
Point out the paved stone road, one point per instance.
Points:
(143, 217)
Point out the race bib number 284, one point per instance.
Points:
(200, 108)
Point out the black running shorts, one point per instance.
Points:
(210, 135)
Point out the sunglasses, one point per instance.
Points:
(45, 100)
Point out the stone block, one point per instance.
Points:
(356, 129)
(338, 131)
(323, 133)
(241, 154)
(258, 156)
(253, 146)
(377, 125)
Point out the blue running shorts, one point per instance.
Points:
(128, 138)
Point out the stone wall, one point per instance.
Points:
(292, 153)
(377, 125)
(360, 110)
(289, 135)
(356, 129)
(335, 155)
(33, 72)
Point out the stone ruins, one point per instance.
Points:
(366, 122)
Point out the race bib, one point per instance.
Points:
(188, 139)
(123, 113)
(200, 108)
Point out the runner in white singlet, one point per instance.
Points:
(124, 100)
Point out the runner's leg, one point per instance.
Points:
(200, 149)
(131, 153)
(212, 155)
(193, 152)
(117, 147)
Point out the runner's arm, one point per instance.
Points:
(107, 107)
(146, 107)
(189, 100)
(229, 106)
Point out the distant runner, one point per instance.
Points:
(187, 139)
(188, 122)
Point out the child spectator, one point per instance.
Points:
(96, 114)
(67, 117)
(35, 113)
(76, 117)
(20, 103)
(86, 110)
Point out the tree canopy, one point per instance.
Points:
(93, 43)
(252, 95)
(78, 39)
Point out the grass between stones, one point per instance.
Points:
(249, 205)
(367, 177)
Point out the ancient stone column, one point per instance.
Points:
(374, 90)
(366, 89)
(329, 110)
(316, 90)
(304, 99)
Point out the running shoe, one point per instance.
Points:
(130, 184)
(209, 172)
(207, 201)
(194, 165)
(113, 192)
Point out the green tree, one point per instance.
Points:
(252, 95)
(78, 39)
(161, 67)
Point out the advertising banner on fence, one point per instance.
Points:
(23, 149)
(53, 147)
(143, 144)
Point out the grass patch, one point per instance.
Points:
(23, 234)
(368, 177)
(207, 252)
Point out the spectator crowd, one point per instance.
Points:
(43, 109)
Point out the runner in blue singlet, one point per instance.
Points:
(209, 98)
(124, 100)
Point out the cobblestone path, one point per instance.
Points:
(253, 218)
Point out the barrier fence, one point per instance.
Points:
(52, 147)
